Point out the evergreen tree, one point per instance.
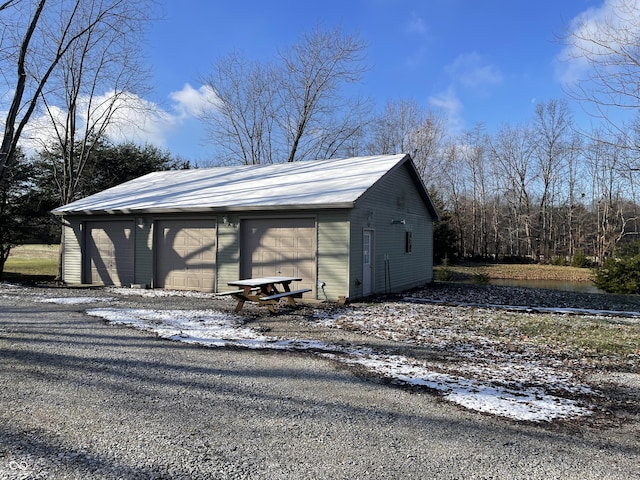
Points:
(620, 273)
(23, 209)
(107, 165)
(444, 235)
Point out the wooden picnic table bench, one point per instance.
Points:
(290, 294)
(265, 291)
(234, 292)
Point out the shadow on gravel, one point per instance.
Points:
(135, 384)
(24, 458)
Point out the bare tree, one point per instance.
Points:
(243, 111)
(454, 195)
(575, 194)
(552, 128)
(20, 49)
(511, 153)
(474, 157)
(294, 108)
(92, 84)
(610, 191)
(606, 51)
(38, 36)
(405, 127)
(315, 111)
(428, 143)
(393, 130)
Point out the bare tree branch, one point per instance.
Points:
(291, 109)
(603, 52)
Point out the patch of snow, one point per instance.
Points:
(632, 317)
(75, 300)
(530, 403)
(484, 388)
(151, 292)
(8, 290)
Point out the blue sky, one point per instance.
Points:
(484, 61)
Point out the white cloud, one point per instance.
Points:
(39, 132)
(192, 102)
(448, 102)
(471, 71)
(140, 121)
(615, 23)
(416, 26)
(468, 71)
(135, 119)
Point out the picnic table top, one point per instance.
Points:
(260, 281)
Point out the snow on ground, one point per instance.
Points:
(518, 388)
(525, 403)
(206, 327)
(150, 292)
(634, 316)
(484, 376)
(75, 300)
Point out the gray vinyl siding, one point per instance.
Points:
(333, 253)
(392, 200)
(71, 252)
(228, 258)
(144, 232)
(360, 218)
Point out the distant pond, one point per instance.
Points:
(582, 287)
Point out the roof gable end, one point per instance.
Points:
(407, 162)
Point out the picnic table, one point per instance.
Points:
(265, 291)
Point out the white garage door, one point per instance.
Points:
(109, 253)
(283, 247)
(186, 255)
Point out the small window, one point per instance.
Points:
(408, 242)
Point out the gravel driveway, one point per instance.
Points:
(83, 399)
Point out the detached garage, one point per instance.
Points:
(348, 227)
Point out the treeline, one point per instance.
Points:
(38, 184)
(540, 192)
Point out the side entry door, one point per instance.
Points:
(368, 254)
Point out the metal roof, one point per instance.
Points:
(335, 183)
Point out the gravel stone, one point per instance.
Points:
(82, 399)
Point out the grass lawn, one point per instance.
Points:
(519, 272)
(32, 262)
(578, 337)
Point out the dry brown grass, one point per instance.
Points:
(32, 262)
(521, 272)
